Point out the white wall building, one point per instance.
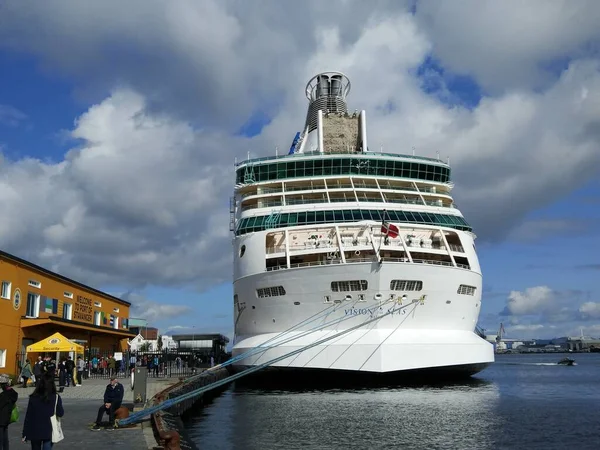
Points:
(137, 342)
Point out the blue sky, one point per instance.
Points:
(136, 151)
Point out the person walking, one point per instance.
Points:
(37, 369)
(43, 403)
(70, 366)
(62, 375)
(26, 373)
(80, 369)
(8, 399)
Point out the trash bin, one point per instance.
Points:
(139, 384)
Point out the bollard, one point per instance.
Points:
(139, 386)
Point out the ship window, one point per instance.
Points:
(274, 291)
(406, 285)
(349, 286)
(249, 225)
(465, 289)
(341, 166)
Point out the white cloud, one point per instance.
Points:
(154, 311)
(144, 198)
(534, 300)
(526, 327)
(509, 43)
(138, 202)
(11, 116)
(590, 310)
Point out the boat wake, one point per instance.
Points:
(535, 364)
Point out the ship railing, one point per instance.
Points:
(309, 201)
(262, 191)
(350, 245)
(345, 151)
(363, 260)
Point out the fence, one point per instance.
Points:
(166, 363)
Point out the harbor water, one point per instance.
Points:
(520, 402)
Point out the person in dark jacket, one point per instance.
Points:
(8, 398)
(113, 397)
(37, 370)
(36, 426)
(70, 365)
(26, 373)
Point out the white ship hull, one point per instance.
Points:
(332, 237)
(435, 333)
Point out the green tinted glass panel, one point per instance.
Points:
(260, 223)
(342, 166)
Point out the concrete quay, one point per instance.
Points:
(81, 406)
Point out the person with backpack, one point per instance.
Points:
(8, 400)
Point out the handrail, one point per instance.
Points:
(309, 201)
(348, 186)
(322, 155)
(362, 260)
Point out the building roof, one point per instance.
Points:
(200, 337)
(61, 277)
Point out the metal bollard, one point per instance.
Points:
(140, 384)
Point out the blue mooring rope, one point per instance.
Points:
(174, 401)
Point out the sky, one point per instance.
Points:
(120, 123)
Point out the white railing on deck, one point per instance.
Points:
(362, 260)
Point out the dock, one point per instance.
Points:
(81, 406)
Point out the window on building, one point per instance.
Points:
(35, 284)
(2, 358)
(465, 289)
(6, 285)
(115, 309)
(406, 285)
(97, 318)
(33, 305)
(348, 286)
(116, 325)
(98, 304)
(274, 291)
(68, 311)
(68, 294)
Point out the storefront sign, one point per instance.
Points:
(83, 309)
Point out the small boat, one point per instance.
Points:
(566, 362)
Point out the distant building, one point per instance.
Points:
(146, 332)
(203, 344)
(140, 342)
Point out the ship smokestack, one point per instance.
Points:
(327, 92)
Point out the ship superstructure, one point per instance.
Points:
(337, 232)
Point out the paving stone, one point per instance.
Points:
(81, 406)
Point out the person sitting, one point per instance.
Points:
(113, 397)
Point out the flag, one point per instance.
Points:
(48, 305)
(389, 229)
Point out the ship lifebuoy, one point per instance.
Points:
(357, 252)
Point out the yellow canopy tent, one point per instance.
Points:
(55, 343)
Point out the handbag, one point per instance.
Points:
(14, 414)
(57, 433)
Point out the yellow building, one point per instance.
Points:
(35, 303)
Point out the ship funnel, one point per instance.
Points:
(327, 92)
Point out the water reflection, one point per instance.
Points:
(430, 416)
(522, 401)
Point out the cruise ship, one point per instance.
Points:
(352, 261)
